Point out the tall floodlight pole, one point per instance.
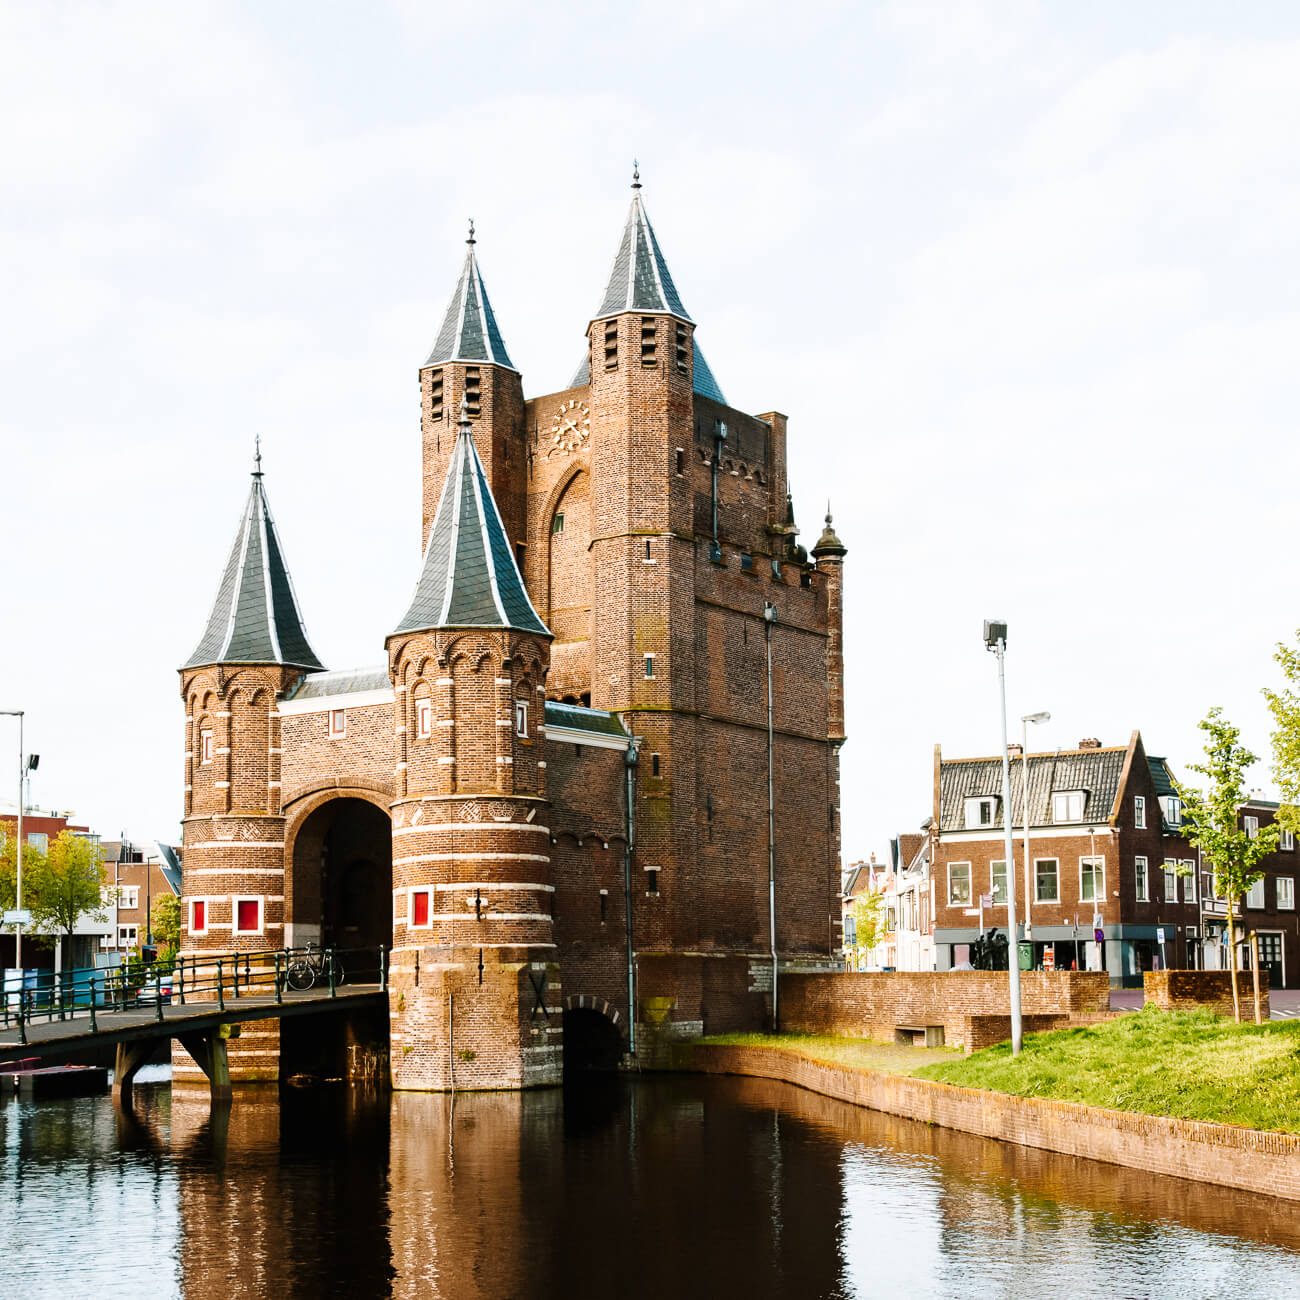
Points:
(995, 639)
(1025, 720)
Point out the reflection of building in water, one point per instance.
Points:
(282, 1198)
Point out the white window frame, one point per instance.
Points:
(975, 807)
(128, 936)
(957, 902)
(993, 883)
(1098, 864)
(128, 896)
(1250, 824)
(423, 717)
(1139, 812)
(39, 840)
(1172, 808)
(1140, 880)
(427, 891)
(338, 723)
(1255, 895)
(521, 719)
(1189, 880)
(1061, 811)
(189, 915)
(1056, 875)
(1171, 880)
(235, 900)
(1289, 882)
(1286, 840)
(649, 662)
(205, 746)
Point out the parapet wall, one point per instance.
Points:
(1205, 990)
(972, 1006)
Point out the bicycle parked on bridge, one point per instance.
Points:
(314, 964)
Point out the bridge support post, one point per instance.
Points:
(130, 1057)
(209, 1053)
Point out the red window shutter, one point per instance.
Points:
(249, 914)
(420, 908)
(197, 921)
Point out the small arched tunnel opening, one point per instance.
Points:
(592, 1042)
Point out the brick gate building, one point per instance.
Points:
(555, 789)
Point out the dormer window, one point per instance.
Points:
(1172, 808)
(980, 811)
(1067, 805)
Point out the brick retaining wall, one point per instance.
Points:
(1208, 990)
(970, 1005)
(1247, 1159)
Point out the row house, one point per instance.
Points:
(1109, 881)
(908, 901)
(137, 874)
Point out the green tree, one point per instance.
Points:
(1284, 705)
(1211, 823)
(868, 914)
(166, 922)
(68, 884)
(33, 862)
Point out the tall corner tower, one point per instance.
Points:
(253, 650)
(469, 367)
(473, 971)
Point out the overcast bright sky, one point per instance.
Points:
(1024, 276)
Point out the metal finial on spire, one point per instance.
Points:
(828, 510)
(257, 455)
(471, 239)
(636, 175)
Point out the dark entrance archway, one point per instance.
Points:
(591, 1042)
(343, 876)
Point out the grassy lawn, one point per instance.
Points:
(859, 1053)
(1189, 1065)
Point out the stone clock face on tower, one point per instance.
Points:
(571, 425)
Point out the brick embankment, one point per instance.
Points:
(1208, 990)
(1253, 1161)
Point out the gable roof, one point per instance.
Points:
(469, 577)
(255, 617)
(1096, 771)
(469, 329)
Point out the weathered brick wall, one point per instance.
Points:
(364, 751)
(1205, 990)
(1268, 1163)
(871, 1005)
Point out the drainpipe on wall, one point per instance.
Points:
(630, 760)
(769, 618)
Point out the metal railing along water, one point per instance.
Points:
(198, 980)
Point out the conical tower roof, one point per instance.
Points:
(469, 577)
(255, 618)
(469, 330)
(640, 279)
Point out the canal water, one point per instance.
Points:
(660, 1187)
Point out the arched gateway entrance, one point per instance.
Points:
(341, 874)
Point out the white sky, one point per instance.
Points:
(1024, 276)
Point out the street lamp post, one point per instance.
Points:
(18, 850)
(995, 639)
(1025, 720)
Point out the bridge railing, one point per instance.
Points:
(199, 979)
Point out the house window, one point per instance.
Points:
(1252, 827)
(999, 878)
(1140, 879)
(1046, 886)
(129, 897)
(648, 357)
(1286, 841)
(1286, 893)
(959, 884)
(521, 718)
(1092, 880)
(682, 345)
(652, 881)
(127, 936)
(557, 522)
(1189, 880)
(424, 718)
(681, 459)
(1172, 807)
(435, 395)
(39, 840)
(1171, 881)
(604, 906)
(338, 723)
(654, 771)
(649, 665)
(980, 811)
(1140, 812)
(420, 908)
(1255, 894)
(247, 914)
(205, 745)
(198, 916)
(1067, 806)
(611, 345)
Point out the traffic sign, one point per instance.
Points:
(986, 900)
(1099, 935)
(970, 911)
(1160, 934)
(23, 917)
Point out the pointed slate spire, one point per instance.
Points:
(469, 577)
(255, 618)
(640, 280)
(469, 330)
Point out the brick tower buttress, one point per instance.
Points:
(473, 982)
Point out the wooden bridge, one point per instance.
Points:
(200, 1002)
